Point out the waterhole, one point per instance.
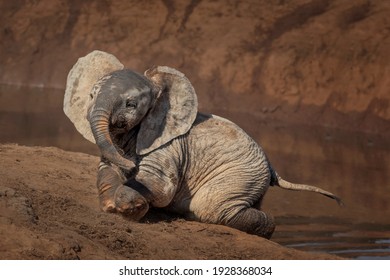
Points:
(353, 165)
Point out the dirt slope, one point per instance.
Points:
(48, 210)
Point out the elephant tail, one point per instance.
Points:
(276, 180)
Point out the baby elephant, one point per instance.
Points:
(158, 150)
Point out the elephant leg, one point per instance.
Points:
(116, 194)
(160, 184)
(253, 221)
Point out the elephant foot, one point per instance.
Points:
(124, 200)
(253, 221)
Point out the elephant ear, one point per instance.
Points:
(174, 111)
(82, 87)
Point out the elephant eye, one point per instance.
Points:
(131, 104)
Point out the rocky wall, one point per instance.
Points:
(321, 62)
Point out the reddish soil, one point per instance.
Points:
(49, 210)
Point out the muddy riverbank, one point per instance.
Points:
(49, 210)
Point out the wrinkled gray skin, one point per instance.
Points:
(214, 173)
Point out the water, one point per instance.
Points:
(355, 166)
(34, 117)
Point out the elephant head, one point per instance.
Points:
(162, 103)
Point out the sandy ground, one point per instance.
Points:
(49, 210)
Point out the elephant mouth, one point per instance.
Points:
(119, 124)
(116, 129)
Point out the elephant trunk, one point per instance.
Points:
(100, 120)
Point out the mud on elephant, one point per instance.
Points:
(159, 151)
